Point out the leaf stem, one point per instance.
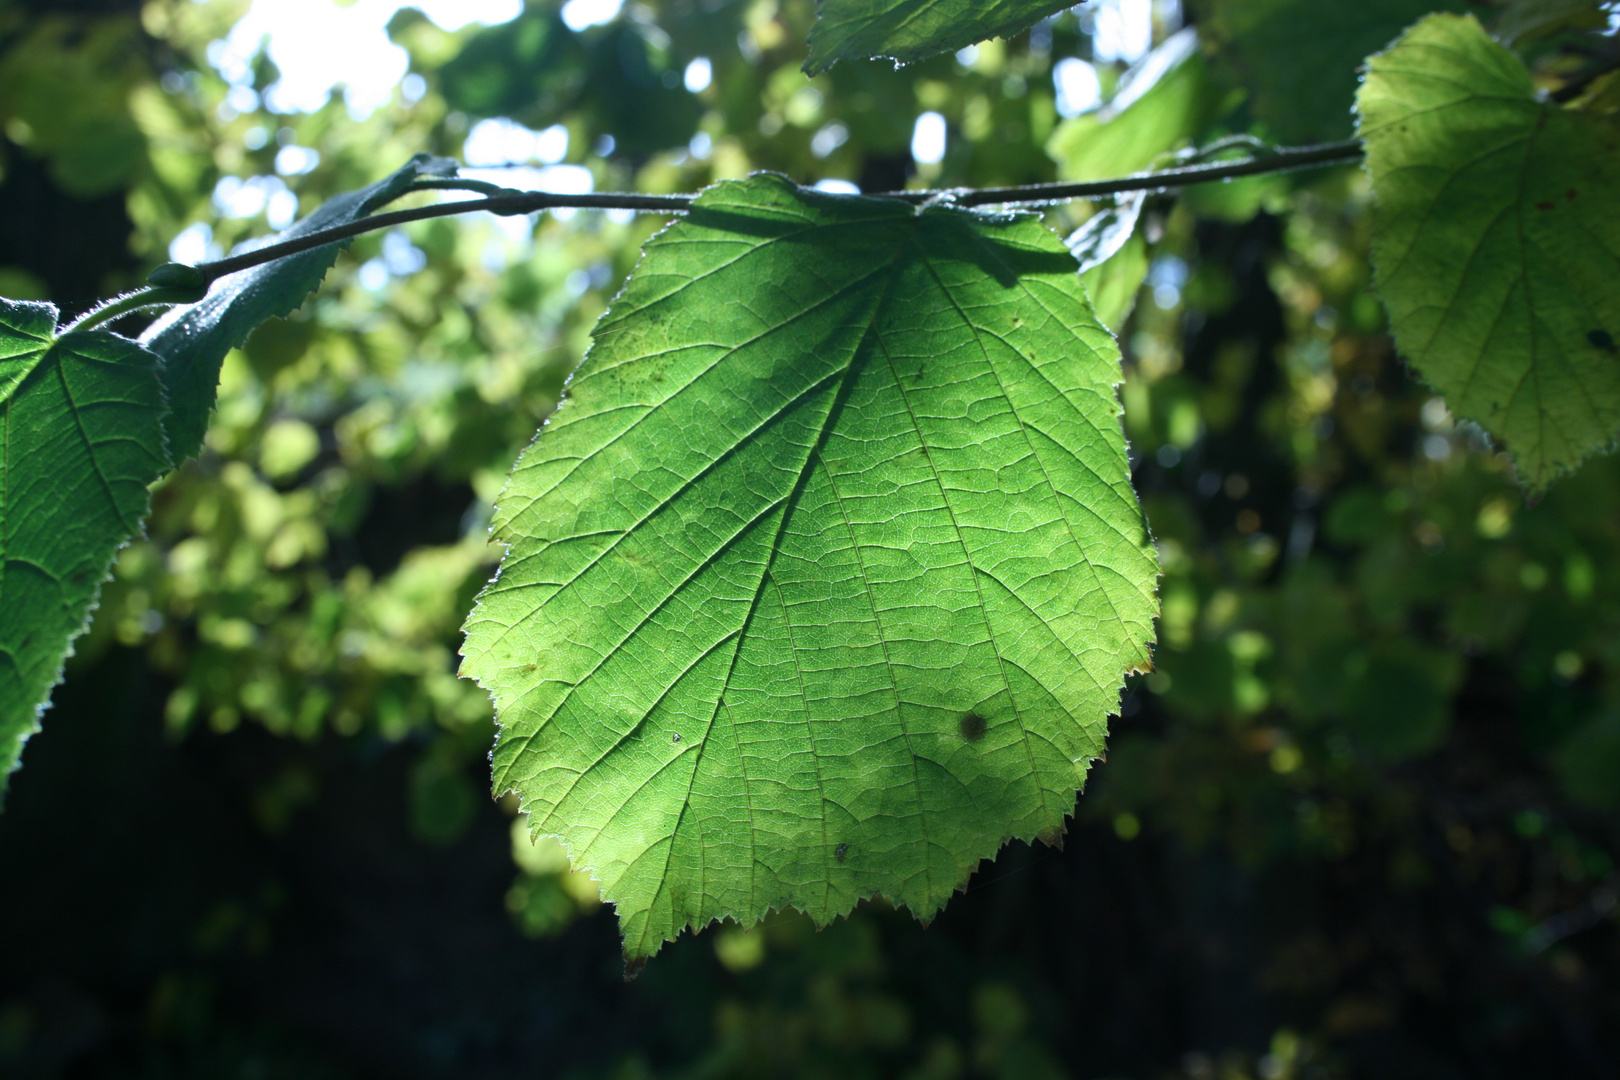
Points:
(119, 306)
(527, 202)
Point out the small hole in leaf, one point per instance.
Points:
(972, 727)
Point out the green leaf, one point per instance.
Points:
(1162, 102)
(1114, 284)
(193, 340)
(81, 437)
(1299, 58)
(823, 580)
(910, 30)
(1496, 242)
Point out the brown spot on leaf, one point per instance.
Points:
(1544, 206)
(972, 727)
(632, 968)
(840, 851)
(1053, 837)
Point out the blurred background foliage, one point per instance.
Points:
(1362, 820)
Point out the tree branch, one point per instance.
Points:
(510, 202)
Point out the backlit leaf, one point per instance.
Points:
(1496, 242)
(909, 30)
(81, 437)
(823, 581)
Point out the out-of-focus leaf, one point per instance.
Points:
(909, 30)
(1495, 242)
(1162, 102)
(823, 581)
(637, 93)
(1299, 58)
(530, 68)
(1398, 704)
(64, 95)
(1588, 762)
(81, 424)
(1524, 20)
(193, 340)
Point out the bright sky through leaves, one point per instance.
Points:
(824, 579)
(316, 44)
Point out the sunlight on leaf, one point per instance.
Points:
(824, 579)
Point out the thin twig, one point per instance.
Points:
(1028, 195)
(1283, 160)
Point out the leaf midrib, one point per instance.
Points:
(834, 410)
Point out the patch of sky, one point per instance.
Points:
(293, 160)
(268, 195)
(1144, 76)
(1078, 88)
(194, 244)
(505, 142)
(828, 139)
(1167, 277)
(399, 258)
(928, 139)
(837, 187)
(1120, 30)
(699, 74)
(400, 255)
(579, 14)
(318, 45)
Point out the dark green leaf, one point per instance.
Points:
(1299, 58)
(823, 581)
(81, 424)
(1496, 242)
(194, 340)
(909, 30)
